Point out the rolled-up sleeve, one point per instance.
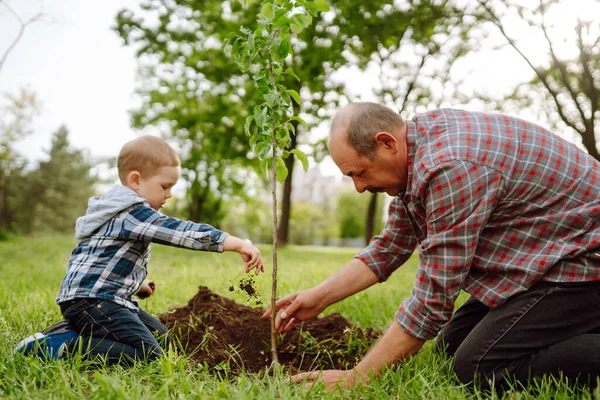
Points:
(393, 246)
(459, 199)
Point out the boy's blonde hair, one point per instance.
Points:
(146, 155)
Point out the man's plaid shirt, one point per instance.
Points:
(111, 263)
(494, 204)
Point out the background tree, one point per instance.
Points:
(565, 88)
(63, 184)
(351, 209)
(191, 90)
(16, 116)
(15, 124)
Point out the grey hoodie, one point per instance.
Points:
(102, 208)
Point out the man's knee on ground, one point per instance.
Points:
(465, 367)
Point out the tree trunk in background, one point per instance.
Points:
(370, 222)
(195, 210)
(589, 140)
(286, 201)
(2, 202)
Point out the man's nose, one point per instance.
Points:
(359, 186)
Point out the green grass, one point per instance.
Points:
(31, 270)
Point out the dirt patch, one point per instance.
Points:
(223, 334)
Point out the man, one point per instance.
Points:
(498, 207)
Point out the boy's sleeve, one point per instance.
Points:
(146, 224)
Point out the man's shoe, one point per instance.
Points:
(49, 343)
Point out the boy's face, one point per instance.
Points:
(157, 188)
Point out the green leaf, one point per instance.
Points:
(283, 46)
(267, 11)
(269, 99)
(302, 157)
(259, 116)
(291, 72)
(296, 28)
(282, 171)
(297, 118)
(294, 95)
(322, 5)
(265, 166)
(249, 120)
(283, 21)
(250, 42)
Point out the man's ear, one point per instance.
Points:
(133, 179)
(386, 141)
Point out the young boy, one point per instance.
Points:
(108, 266)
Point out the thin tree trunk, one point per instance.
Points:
(274, 358)
(370, 222)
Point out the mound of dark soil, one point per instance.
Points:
(217, 331)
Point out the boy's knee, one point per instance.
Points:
(149, 351)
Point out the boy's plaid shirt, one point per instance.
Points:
(494, 204)
(111, 263)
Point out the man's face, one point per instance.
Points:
(383, 174)
(157, 188)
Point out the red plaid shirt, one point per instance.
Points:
(494, 204)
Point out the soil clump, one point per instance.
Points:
(215, 330)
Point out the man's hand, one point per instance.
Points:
(299, 306)
(394, 346)
(146, 289)
(333, 379)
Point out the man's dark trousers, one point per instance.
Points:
(553, 328)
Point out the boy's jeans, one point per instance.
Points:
(116, 332)
(553, 328)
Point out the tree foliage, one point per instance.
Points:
(16, 117)
(192, 91)
(351, 210)
(63, 184)
(50, 197)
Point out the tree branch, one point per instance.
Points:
(591, 90)
(561, 66)
(539, 73)
(23, 26)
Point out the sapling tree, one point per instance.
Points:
(263, 54)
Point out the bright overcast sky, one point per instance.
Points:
(85, 78)
(79, 69)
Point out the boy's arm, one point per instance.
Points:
(146, 224)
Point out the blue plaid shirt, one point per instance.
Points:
(110, 263)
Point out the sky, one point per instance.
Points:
(85, 77)
(82, 74)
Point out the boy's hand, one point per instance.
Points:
(251, 256)
(146, 289)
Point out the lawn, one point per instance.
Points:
(31, 270)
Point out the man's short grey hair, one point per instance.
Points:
(363, 120)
